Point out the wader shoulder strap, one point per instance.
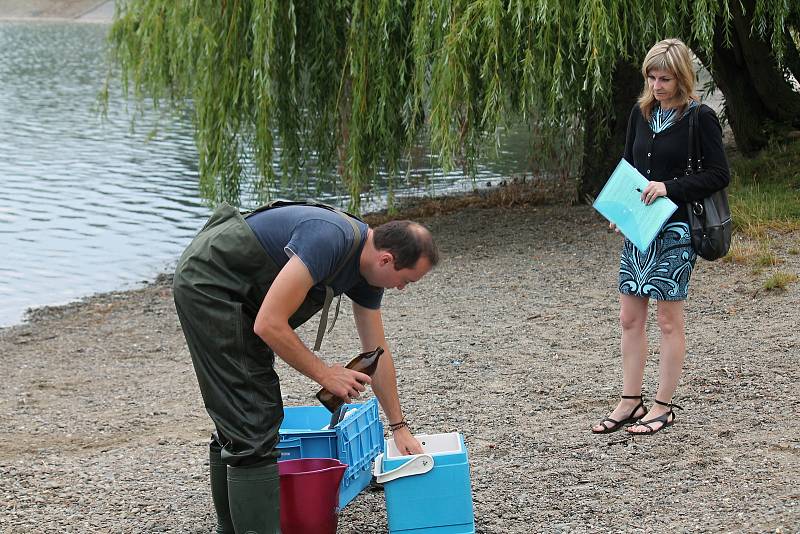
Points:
(349, 217)
(323, 321)
(279, 203)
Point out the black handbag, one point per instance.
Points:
(710, 218)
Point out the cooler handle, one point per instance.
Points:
(417, 465)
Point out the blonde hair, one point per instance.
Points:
(674, 56)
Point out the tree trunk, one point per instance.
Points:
(603, 148)
(780, 100)
(743, 107)
(792, 56)
(758, 99)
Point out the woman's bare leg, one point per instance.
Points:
(633, 319)
(672, 354)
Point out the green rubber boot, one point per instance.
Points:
(254, 496)
(219, 490)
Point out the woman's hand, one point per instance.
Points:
(653, 191)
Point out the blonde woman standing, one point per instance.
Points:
(657, 145)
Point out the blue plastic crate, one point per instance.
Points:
(355, 441)
(428, 493)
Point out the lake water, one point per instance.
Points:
(88, 205)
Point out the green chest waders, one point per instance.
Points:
(219, 285)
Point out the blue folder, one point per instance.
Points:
(620, 202)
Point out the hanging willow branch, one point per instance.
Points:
(348, 86)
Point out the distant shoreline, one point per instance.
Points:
(92, 11)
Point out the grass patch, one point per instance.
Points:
(743, 250)
(779, 280)
(766, 259)
(765, 191)
(764, 195)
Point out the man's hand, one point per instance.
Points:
(613, 226)
(343, 382)
(405, 442)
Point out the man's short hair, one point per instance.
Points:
(407, 241)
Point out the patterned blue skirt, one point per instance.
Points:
(662, 271)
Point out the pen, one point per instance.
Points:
(639, 190)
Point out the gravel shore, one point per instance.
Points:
(512, 341)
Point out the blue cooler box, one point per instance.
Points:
(355, 441)
(428, 493)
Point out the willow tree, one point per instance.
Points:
(755, 62)
(351, 85)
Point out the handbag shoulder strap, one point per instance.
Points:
(694, 153)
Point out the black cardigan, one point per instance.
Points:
(663, 156)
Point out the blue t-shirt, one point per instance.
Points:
(321, 239)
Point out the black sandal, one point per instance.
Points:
(616, 425)
(666, 420)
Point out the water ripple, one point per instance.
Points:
(88, 205)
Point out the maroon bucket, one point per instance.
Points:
(310, 495)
